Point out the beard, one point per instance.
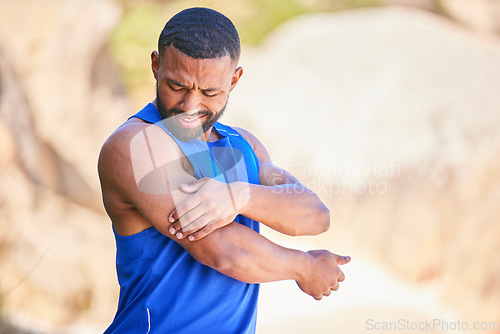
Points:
(182, 133)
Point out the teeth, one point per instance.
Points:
(190, 119)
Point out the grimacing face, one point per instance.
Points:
(192, 93)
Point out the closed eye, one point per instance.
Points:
(210, 94)
(175, 88)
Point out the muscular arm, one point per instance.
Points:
(280, 201)
(233, 250)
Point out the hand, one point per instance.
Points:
(323, 274)
(213, 204)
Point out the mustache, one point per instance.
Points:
(177, 111)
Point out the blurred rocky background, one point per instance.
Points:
(389, 109)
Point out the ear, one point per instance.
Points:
(155, 63)
(236, 77)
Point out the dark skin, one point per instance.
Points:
(203, 210)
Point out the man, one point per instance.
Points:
(186, 194)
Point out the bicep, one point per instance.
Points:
(144, 167)
(269, 174)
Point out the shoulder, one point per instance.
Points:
(257, 146)
(136, 132)
(132, 144)
(251, 139)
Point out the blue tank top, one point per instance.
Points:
(163, 289)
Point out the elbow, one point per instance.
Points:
(325, 220)
(322, 220)
(317, 222)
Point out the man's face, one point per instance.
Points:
(192, 93)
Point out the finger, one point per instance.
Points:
(327, 293)
(182, 208)
(172, 217)
(181, 227)
(318, 297)
(176, 226)
(342, 259)
(335, 287)
(194, 186)
(196, 224)
(209, 228)
(341, 277)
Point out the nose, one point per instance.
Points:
(190, 103)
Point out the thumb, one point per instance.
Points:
(194, 186)
(342, 259)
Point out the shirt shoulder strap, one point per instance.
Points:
(148, 114)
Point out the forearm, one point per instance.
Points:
(243, 254)
(292, 209)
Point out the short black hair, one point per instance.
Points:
(201, 33)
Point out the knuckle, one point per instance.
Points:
(218, 211)
(210, 206)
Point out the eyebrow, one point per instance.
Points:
(185, 86)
